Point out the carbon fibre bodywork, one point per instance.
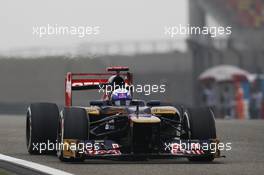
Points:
(133, 131)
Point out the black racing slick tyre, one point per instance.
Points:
(74, 124)
(41, 128)
(201, 127)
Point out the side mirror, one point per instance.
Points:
(97, 103)
(153, 103)
(137, 103)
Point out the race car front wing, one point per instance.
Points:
(107, 148)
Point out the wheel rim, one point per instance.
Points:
(28, 129)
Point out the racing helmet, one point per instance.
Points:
(121, 97)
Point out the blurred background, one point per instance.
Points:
(224, 72)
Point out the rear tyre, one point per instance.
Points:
(75, 126)
(41, 128)
(201, 124)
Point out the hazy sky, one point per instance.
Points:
(118, 20)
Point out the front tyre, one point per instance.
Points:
(41, 128)
(74, 124)
(201, 126)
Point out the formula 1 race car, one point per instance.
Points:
(118, 125)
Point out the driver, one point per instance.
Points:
(121, 97)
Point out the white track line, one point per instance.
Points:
(32, 165)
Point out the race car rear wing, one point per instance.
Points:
(89, 81)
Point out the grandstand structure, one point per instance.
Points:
(246, 17)
(243, 48)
